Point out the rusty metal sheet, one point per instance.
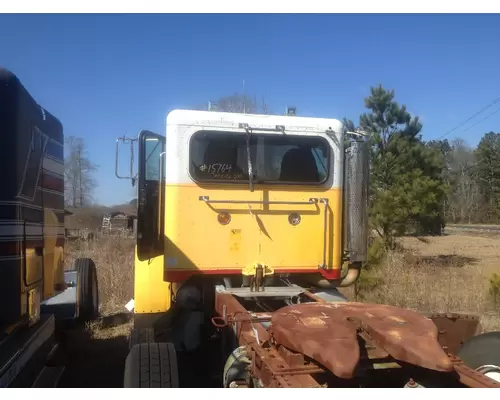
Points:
(328, 333)
(267, 363)
(470, 377)
(247, 332)
(269, 366)
(454, 329)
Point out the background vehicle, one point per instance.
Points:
(247, 224)
(35, 290)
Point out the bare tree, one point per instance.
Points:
(465, 197)
(79, 181)
(240, 103)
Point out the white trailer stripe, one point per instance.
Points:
(31, 230)
(11, 230)
(51, 191)
(32, 206)
(53, 231)
(53, 166)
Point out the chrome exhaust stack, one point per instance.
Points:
(356, 192)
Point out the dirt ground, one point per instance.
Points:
(95, 356)
(478, 250)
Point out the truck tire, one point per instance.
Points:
(88, 289)
(141, 335)
(151, 365)
(482, 353)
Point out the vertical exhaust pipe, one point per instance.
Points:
(356, 191)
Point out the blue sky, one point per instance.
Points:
(105, 76)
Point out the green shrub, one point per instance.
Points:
(370, 277)
(494, 290)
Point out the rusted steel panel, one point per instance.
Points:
(274, 371)
(471, 378)
(267, 363)
(454, 329)
(228, 307)
(327, 333)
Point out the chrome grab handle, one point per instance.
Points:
(206, 199)
(313, 200)
(161, 166)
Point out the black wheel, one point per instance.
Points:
(141, 335)
(151, 365)
(88, 290)
(236, 367)
(482, 353)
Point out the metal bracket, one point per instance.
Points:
(271, 291)
(130, 141)
(325, 201)
(247, 127)
(206, 199)
(251, 270)
(257, 272)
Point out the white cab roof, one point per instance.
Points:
(233, 120)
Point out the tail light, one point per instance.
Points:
(224, 218)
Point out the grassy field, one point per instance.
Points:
(430, 274)
(96, 355)
(114, 258)
(449, 273)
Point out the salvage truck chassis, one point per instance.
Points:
(316, 340)
(330, 344)
(211, 313)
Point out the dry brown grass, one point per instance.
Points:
(432, 274)
(440, 274)
(114, 259)
(482, 251)
(96, 355)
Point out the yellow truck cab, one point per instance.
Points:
(236, 197)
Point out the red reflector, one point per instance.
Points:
(294, 219)
(224, 218)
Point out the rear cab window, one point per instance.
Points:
(276, 158)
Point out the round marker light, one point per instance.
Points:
(224, 218)
(294, 219)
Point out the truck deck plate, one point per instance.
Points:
(271, 291)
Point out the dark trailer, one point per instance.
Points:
(35, 291)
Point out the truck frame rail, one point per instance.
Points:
(315, 343)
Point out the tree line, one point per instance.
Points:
(473, 179)
(417, 186)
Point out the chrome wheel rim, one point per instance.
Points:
(491, 371)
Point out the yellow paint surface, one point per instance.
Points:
(257, 233)
(151, 293)
(195, 240)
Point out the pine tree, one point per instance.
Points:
(407, 187)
